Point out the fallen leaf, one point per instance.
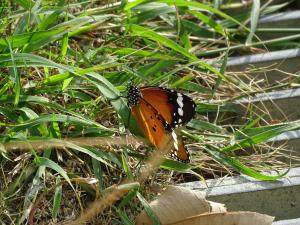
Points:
(228, 218)
(179, 203)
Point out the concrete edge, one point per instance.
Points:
(275, 17)
(287, 222)
(273, 96)
(270, 96)
(264, 57)
(243, 184)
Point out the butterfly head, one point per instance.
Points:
(133, 94)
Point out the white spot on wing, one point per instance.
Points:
(180, 111)
(174, 135)
(176, 146)
(180, 101)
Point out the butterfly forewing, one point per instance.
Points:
(176, 108)
(155, 128)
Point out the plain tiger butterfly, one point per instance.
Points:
(158, 111)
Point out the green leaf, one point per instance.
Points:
(154, 219)
(35, 40)
(128, 198)
(203, 125)
(259, 135)
(59, 118)
(132, 4)
(98, 173)
(238, 166)
(203, 7)
(49, 19)
(176, 166)
(140, 53)
(57, 200)
(26, 4)
(41, 161)
(126, 168)
(254, 20)
(209, 21)
(150, 13)
(183, 80)
(192, 86)
(111, 93)
(124, 218)
(148, 33)
(16, 75)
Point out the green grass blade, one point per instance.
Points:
(182, 81)
(140, 31)
(150, 13)
(50, 19)
(154, 219)
(26, 4)
(173, 165)
(203, 125)
(259, 135)
(133, 4)
(41, 161)
(209, 21)
(238, 166)
(56, 200)
(125, 166)
(111, 93)
(127, 199)
(254, 20)
(98, 173)
(124, 218)
(60, 118)
(140, 53)
(16, 75)
(202, 6)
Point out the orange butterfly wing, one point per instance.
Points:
(152, 123)
(158, 131)
(176, 108)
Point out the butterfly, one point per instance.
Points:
(158, 111)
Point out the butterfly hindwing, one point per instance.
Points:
(180, 153)
(176, 108)
(158, 131)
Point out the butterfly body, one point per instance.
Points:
(158, 112)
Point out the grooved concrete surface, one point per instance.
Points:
(279, 198)
(278, 106)
(287, 222)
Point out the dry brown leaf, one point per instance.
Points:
(182, 206)
(177, 204)
(228, 218)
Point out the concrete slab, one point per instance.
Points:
(279, 198)
(268, 68)
(288, 222)
(277, 106)
(278, 25)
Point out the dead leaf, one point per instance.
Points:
(178, 203)
(228, 218)
(182, 206)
